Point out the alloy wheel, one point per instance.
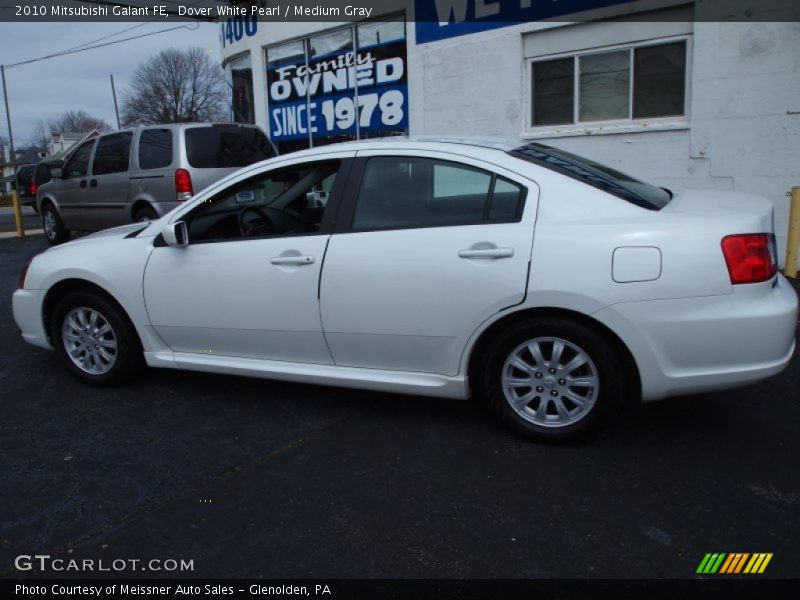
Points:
(49, 222)
(89, 340)
(550, 382)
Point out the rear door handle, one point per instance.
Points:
(487, 253)
(292, 260)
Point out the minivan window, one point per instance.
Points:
(78, 165)
(155, 149)
(221, 146)
(595, 174)
(113, 154)
(419, 192)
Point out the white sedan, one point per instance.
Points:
(547, 285)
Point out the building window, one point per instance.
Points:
(632, 83)
(345, 84)
(242, 89)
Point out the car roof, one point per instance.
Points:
(417, 142)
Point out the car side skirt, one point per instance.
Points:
(402, 382)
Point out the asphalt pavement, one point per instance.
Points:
(8, 227)
(255, 478)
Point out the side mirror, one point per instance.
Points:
(176, 234)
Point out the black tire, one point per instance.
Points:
(144, 214)
(605, 367)
(57, 233)
(128, 357)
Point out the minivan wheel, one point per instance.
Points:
(53, 226)
(145, 215)
(95, 339)
(551, 379)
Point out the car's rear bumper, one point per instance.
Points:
(27, 308)
(691, 345)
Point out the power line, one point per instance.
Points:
(107, 36)
(76, 50)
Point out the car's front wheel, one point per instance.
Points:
(95, 339)
(551, 379)
(53, 226)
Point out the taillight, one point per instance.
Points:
(32, 189)
(22, 274)
(751, 257)
(183, 185)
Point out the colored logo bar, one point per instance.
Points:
(734, 563)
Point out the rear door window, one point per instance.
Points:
(225, 146)
(155, 149)
(405, 192)
(113, 154)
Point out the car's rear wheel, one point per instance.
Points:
(95, 339)
(145, 215)
(551, 379)
(53, 226)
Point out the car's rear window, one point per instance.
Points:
(24, 175)
(43, 174)
(221, 146)
(595, 174)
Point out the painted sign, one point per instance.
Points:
(339, 94)
(444, 19)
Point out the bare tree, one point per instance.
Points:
(176, 86)
(41, 134)
(72, 121)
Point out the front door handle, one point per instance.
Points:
(487, 253)
(292, 260)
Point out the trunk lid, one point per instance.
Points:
(743, 210)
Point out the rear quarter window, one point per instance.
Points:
(225, 146)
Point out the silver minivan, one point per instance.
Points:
(142, 173)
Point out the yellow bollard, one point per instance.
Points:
(793, 239)
(17, 214)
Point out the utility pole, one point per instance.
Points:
(14, 195)
(114, 93)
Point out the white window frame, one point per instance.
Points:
(628, 125)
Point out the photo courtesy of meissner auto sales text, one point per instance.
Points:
(469, 299)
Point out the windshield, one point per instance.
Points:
(600, 176)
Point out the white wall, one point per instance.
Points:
(743, 131)
(744, 111)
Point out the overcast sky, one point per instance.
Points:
(46, 89)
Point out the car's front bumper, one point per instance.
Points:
(692, 345)
(27, 308)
